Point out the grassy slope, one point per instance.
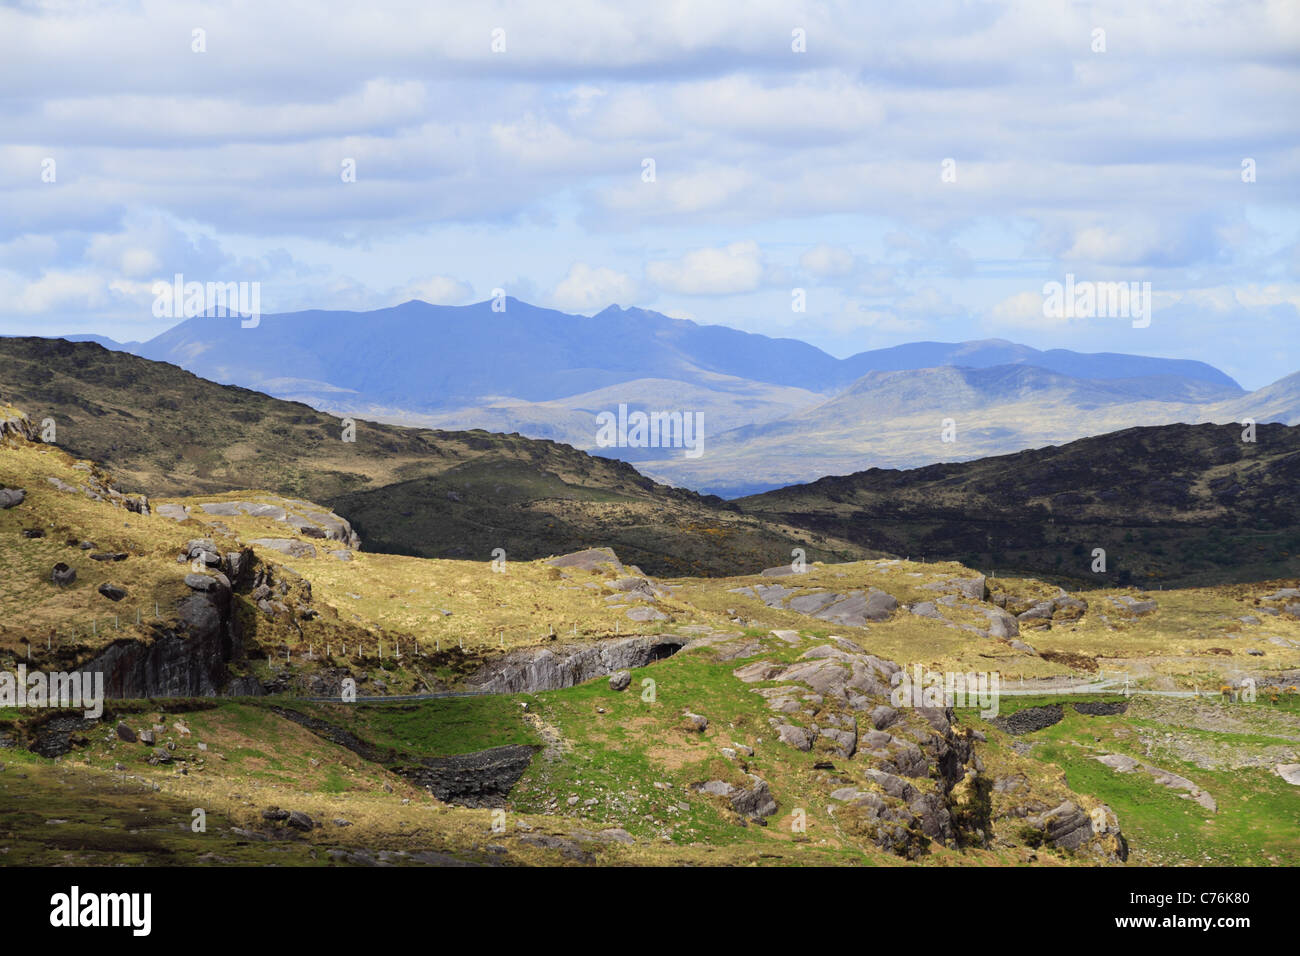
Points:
(164, 431)
(1172, 505)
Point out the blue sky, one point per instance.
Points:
(774, 169)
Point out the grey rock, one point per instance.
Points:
(290, 546)
(112, 591)
(62, 575)
(798, 737)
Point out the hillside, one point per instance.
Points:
(609, 717)
(164, 431)
(894, 419)
(1175, 504)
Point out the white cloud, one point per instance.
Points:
(588, 289)
(827, 260)
(437, 290)
(1024, 310)
(731, 269)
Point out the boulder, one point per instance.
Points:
(112, 591)
(1002, 624)
(1290, 772)
(801, 738)
(696, 722)
(755, 802)
(62, 575)
(643, 614)
(593, 559)
(9, 497)
(620, 680)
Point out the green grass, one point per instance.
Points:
(1258, 817)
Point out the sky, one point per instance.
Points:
(920, 172)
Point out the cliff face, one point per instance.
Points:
(566, 665)
(189, 658)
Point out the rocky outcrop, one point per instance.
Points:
(900, 776)
(17, 426)
(480, 779)
(303, 516)
(905, 791)
(190, 656)
(566, 665)
(1068, 827)
(851, 609)
(97, 486)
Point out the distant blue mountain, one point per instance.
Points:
(988, 353)
(422, 357)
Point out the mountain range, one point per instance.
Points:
(549, 375)
(1172, 503)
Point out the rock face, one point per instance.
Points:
(481, 779)
(537, 669)
(187, 659)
